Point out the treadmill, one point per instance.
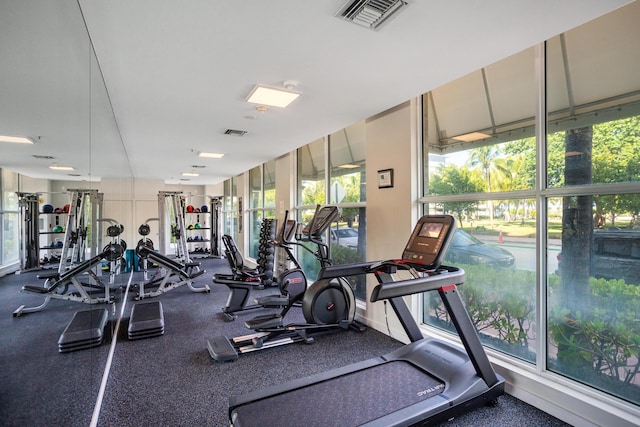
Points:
(425, 382)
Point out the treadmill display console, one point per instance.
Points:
(429, 241)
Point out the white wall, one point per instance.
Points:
(391, 212)
(33, 185)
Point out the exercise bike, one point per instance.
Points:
(291, 283)
(329, 303)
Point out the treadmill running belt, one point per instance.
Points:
(348, 400)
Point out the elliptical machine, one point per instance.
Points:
(329, 303)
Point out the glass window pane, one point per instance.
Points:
(347, 157)
(255, 188)
(255, 221)
(9, 187)
(269, 184)
(227, 209)
(347, 237)
(310, 264)
(593, 122)
(11, 238)
(593, 106)
(499, 258)
(311, 170)
(507, 166)
(479, 130)
(594, 294)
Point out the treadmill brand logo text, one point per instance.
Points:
(430, 390)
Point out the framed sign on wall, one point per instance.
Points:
(385, 178)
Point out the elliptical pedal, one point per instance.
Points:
(221, 349)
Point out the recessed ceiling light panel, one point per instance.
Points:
(271, 96)
(16, 139)
(470, 137)
(211, 155)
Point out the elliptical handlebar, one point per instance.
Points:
(284, 233)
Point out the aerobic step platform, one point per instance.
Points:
(146, 321)
(85, 330)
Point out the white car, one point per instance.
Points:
(345, 236)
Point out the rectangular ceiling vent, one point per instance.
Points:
(39, 156)
(370, 13)
(235, 132)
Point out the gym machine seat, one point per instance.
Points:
(66, 285)
(176, 275)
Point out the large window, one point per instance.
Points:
(554, 219)
(230, 208)
(593, 152)
(480, 149)
(311, 191)
(347, 189)
(495, 244)
(262, 202)
(342, 154)
(9, 218)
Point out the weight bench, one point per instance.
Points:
(146, 320)
(85, 330)
(176, 274)
(67, 286)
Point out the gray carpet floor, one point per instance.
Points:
(169, 380)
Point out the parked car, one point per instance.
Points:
(344, 236)
(466, 249)
(616, 255)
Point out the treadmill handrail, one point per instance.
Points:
(448, 276)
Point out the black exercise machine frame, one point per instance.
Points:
(56, 284)
(456, 380)
(239, 289)
(270, 330)
(444, 280)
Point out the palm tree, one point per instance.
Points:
(491, 162)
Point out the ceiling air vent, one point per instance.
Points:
(235, 132)
(370, 13)
(39, 156)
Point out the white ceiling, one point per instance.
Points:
(177, 75)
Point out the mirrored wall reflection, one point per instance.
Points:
(53, 93)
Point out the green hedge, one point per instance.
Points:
(598, 346)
